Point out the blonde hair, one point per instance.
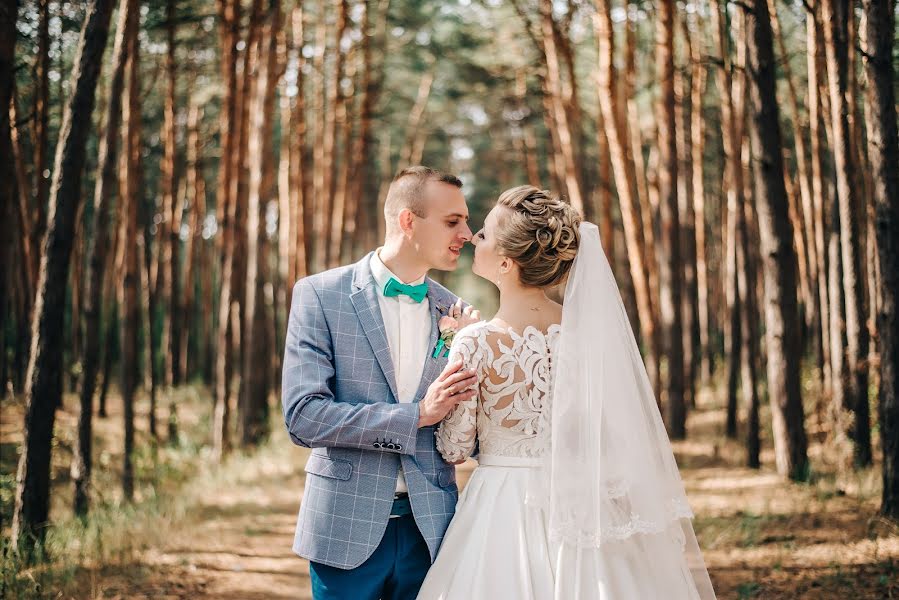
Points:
(539, 231)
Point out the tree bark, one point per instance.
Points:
(9, 234)
(226, 206)
(97, 252)
(196, 191)
(130, 197)
(670, 268)
(836, 16)
(781, 314)
(337, 122)
(43, 379)
(731, 119)
(615, 123)
(883, 151)
(697, 150)
(749, 342)
(41, 124)
(254, 380)
(559, 114)
(818, 192)
(171, 224)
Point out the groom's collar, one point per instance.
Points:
(363, 277)
(382, 274)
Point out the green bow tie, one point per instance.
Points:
(395, 288)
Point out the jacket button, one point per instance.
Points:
(378, 445)
(391, 446)
(399, 446)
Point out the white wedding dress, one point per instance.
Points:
(498, 545)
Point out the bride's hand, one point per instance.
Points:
(466, 316)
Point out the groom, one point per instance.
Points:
(364, 385)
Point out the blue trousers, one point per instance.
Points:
(395, 571)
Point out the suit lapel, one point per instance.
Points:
(433, 366)
(365, 301)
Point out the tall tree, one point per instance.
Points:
(810, 256)
(172, 210)
(130, 198)
(817, 147)
(781, 311)
(42, 389)
(41, 129)
(255, 375)
(883, 151)
(196, 191)
(732, 117)
(670, 267)
(617, 131)
(837, 16)
(229, 13)
(8, 200)
(560, 115)
(336, 122)
(97, 253)
(698, 75)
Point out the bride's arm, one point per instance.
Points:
(457, 434)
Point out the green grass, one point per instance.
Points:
(115, 531)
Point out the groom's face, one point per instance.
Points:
(440, 234)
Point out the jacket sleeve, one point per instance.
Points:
(313, 416)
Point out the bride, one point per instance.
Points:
(577, 495)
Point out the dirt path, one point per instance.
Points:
(229, 530)
(762, 538)
(236, 544)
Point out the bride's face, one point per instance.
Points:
(488, 262)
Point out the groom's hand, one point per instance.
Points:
(453, 386)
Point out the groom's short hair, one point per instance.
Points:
(407, 191)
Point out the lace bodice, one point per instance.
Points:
(510, 414)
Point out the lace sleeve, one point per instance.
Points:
(457, 433)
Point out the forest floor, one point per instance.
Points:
(225, 532)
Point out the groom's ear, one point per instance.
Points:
(406, 218)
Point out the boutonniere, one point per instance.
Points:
(447, 326)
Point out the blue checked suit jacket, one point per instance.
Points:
(339, 398)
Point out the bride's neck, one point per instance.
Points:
(520, 305)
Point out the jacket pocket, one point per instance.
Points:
(329, 467)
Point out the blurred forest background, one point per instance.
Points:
(171, 167)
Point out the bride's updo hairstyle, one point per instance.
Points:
(539, 231)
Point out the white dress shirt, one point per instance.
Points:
(407, 324)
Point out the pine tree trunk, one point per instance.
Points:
(196, 191)
(226, 205)
(337, 123)
(361, 191)
(128, 260)
(41, 126)
(560, 116)
(837, 15)
(615, 122)
(97, 252)
(750, 335)
(42, 391)
(254, 380)
(320, 205)
(883, 151)
(731, 117)
(670, 273)
(810, 255)
(11, 237)
(781, 313)
(697, 150)
(818, 192)
(172, 211)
